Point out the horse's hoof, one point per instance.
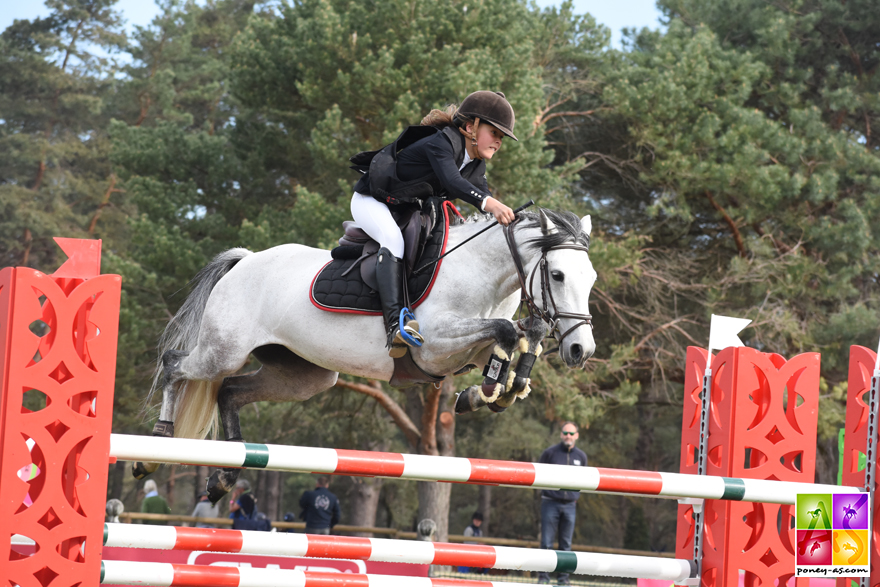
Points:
(469, 400)
(140, 470)
(220, 483)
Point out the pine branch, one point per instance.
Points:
(737, 237)
(105, 201)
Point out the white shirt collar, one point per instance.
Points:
(467, 159)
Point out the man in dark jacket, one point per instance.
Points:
(320, 508)
(558, 507)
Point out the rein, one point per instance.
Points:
(528, 299)
(470, 238)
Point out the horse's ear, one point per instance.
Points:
(547, 226)
(587, 224)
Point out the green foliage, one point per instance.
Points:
(54, 169)
(335, 78)
(637, 535)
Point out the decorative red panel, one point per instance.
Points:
(58, 337)
(855, 441)
(763, 426)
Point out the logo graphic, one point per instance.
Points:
(832, 535)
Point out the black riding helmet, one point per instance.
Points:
(491, 107)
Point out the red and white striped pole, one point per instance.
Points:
(303, 459)
(174, 575)
(396, 551)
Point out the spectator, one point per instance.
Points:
(113, 508)
(249, 517)
(473, 530)
(205, 509)
(154, 503)
(320, 508)
(558, 507)
(241, 487)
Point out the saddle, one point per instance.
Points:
(348, 282)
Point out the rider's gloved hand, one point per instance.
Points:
(503, 214)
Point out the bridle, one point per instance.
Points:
(528, 300)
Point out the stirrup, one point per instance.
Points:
(401, 339)
(409, 329)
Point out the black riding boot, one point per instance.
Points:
(389, 274)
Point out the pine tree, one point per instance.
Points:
(55, 178)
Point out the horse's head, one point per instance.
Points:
(561, 282)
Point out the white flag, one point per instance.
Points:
(723, 331)
(877, 361)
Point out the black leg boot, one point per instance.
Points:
(389, 274)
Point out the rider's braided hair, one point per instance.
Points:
(449, 116)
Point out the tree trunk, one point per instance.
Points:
(117, 476)
(432, 409)
(169, 487)
(260, 489)
(438, 438)
(364, 496)
(363, 503)
(273, 495)
(485, 507)
(201, 483)
(434, 505)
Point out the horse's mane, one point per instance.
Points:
(456, 220)
(568, 227)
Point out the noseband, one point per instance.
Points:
(528, 300)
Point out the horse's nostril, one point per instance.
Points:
(577, 352)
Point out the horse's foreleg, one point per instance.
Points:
(458, 335)
(283, 376)
(518, 381)
(164, 426)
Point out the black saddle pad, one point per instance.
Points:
(333, 291)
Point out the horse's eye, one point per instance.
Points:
(557, 275)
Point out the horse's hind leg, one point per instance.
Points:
(283, 376)
(164, 426)
(171, 376)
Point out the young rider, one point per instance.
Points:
(453, 163)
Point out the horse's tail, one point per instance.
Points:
(196, 405)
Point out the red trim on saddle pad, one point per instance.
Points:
(447, 205)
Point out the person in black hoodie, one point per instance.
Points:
(558, 507)
(320, 508)
(445, 157)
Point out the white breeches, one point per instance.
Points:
(375, 218)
